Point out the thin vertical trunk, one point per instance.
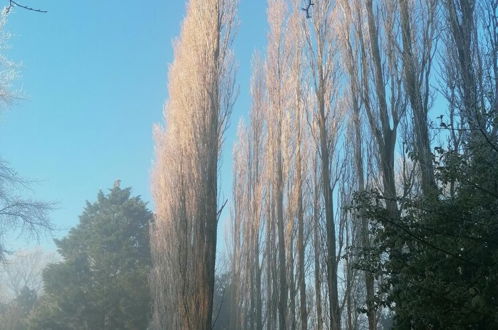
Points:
(269, 270)
(292, 285)
(274, 273)
(348, 270)
(326, 122)
(335, 315)
(297, 72)
(255, 258)
(276, 74)
(300, 238)
(259, 305)
(364, 231)
(460, 18)
(317, 248)
(412, 86)
(352, 69)
(282, 301)
(251, 280)
(385, 135)
(272, 269)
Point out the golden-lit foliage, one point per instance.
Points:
(201, 82)
(341, 90)
(343, 84)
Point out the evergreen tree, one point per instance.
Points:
(102, 281)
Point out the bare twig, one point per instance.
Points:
(221, 209)
(307, 8)
(12, 4)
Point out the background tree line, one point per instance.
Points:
(352, 207)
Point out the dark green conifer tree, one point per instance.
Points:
(102, 282)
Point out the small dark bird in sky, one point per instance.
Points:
(307, 9)
(441, 123)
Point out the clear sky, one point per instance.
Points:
(94, 80)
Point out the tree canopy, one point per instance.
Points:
(102, 281)
(441, 250)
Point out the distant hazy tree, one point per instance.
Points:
(248, 215)
(317, 216)
(185, 179)
(326, 120)
(237, 258)
(21, 273)
(14, 315)
(223, 306)
(8, 68)
(21, 283)
(17, 214)
(277, 74)
(302, 153)
(101, 282)
(350, 53)
(24, 269)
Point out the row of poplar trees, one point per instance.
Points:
(340, 109)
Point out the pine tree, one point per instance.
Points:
(101, 282)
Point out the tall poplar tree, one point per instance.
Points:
(185, 179)
(326, 119)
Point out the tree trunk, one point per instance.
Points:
(317, 247)
(300, 245)
(421, 142)
(335, 316)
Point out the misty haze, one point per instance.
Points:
(248, 164)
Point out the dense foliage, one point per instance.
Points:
(102, 281)
(439, 259)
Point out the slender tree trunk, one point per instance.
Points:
(335, 315)
(386, 140)
(352, 69)
(364, 230)
(300, 241)
(291, 321)
(282, 300)
(412, 86)
(317, 247)
(259, 304)
(271, 269)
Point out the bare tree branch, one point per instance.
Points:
(13, 3)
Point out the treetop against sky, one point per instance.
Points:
(93, 81)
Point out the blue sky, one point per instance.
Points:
(94, 81)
